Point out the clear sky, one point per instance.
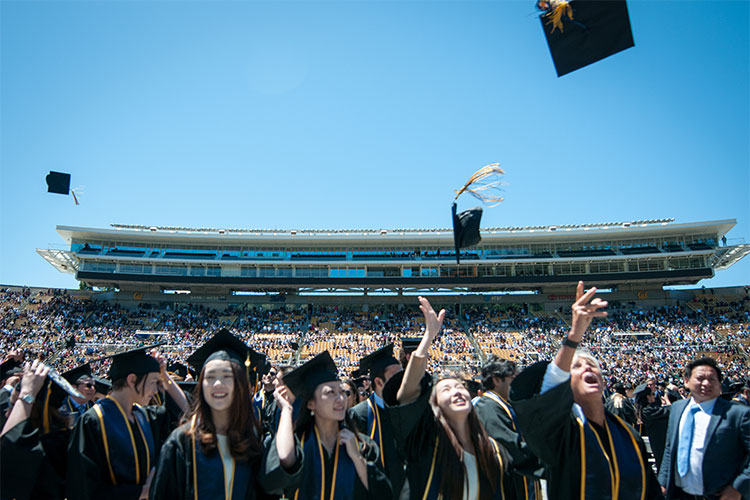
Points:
(349, 114)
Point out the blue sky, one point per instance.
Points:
(361, 115)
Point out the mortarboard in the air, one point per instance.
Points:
(303, 380)
(9, 367)
(226, 347)
(136, 361)
(77, 373)
(410, 344)
(375, 363)
(582, 32)
(58, 183)
(466, 223)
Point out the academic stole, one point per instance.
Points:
(621, 475)
(432, 487)
(119, 441)
(533, 488)
(213, 474)
(374, 426)
(342, 479)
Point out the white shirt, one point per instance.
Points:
(553, 377)
(692, 482)
(471, 485)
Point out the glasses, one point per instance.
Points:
(87, 384)
(348, 392)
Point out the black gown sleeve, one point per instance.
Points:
(273, 477)
(87, 474)
(378, 484)
(172, 472)
(21, 456)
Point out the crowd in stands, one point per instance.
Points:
(633, 342)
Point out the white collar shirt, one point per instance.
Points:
(692, 482)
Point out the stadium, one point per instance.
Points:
(351, 291)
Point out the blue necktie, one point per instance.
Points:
(686, 441)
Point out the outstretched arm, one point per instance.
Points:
(585, 309)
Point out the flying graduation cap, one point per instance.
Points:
(466, 223)
(582, 32)
(59, 183)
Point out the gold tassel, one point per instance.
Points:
(45, 412)
(247, 367)
(484, 179)
(558, 9)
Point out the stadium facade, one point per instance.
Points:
(631, 257)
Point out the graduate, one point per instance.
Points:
(264, 403)
(448, 452)
(589, 452)
(340, 463)
(220, 451)
(34, 440)
(115, 445)
(371, 415)
(81, 378)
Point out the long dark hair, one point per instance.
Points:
(244, 428)
(450, 453)
(305, 421)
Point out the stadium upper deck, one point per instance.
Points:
(610, 255)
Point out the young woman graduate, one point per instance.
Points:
(115, 445)
(589, 453)
(340, 463)
(35, 437)
(219, 452)
(448, 452)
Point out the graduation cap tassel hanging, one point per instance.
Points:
(466, 224)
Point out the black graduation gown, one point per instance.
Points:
(498, 419)
(32, 465)
(347, 485)
(421, 437)
(70, 407)
(575, 457)
(92, 464)
(175, 480)
(656, 420)
(264, 405)
(374, 421)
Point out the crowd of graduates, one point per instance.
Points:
(223, 420)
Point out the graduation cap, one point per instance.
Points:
(410, 344)
(226, 347)
(9, 367)
(376, 362)
(76, 374)
(59, 183)
(582, 32)
(178, 369)
(102, 385)
(473, 386)
(303, 380)
(136, 361)
(53, 394)
(466, 223)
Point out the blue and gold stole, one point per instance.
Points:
(432, 488)
(119, 439)
(373, 425)
(532, 488)
(621, 474)
(314, 485)
(213, 474)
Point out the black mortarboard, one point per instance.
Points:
(136, 361)
(178, 369)
(642, 389)
(58, 182)
(673, 395)
(465, 228)
(410, 344)
(582, 32)
(225, 346)
(303, 380)
(102, 385)
(74, 375)
(9, 367)
(375, 363)
(52, 395)
(473, 386)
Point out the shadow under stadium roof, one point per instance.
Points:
(149, 258)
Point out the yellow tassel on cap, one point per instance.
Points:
(558, 9)
(484, 179)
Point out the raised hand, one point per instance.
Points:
(34, 375)
(348, 439)
(585, 309)
(432, 321)
(284, 398)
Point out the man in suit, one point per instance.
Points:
(707, 454)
